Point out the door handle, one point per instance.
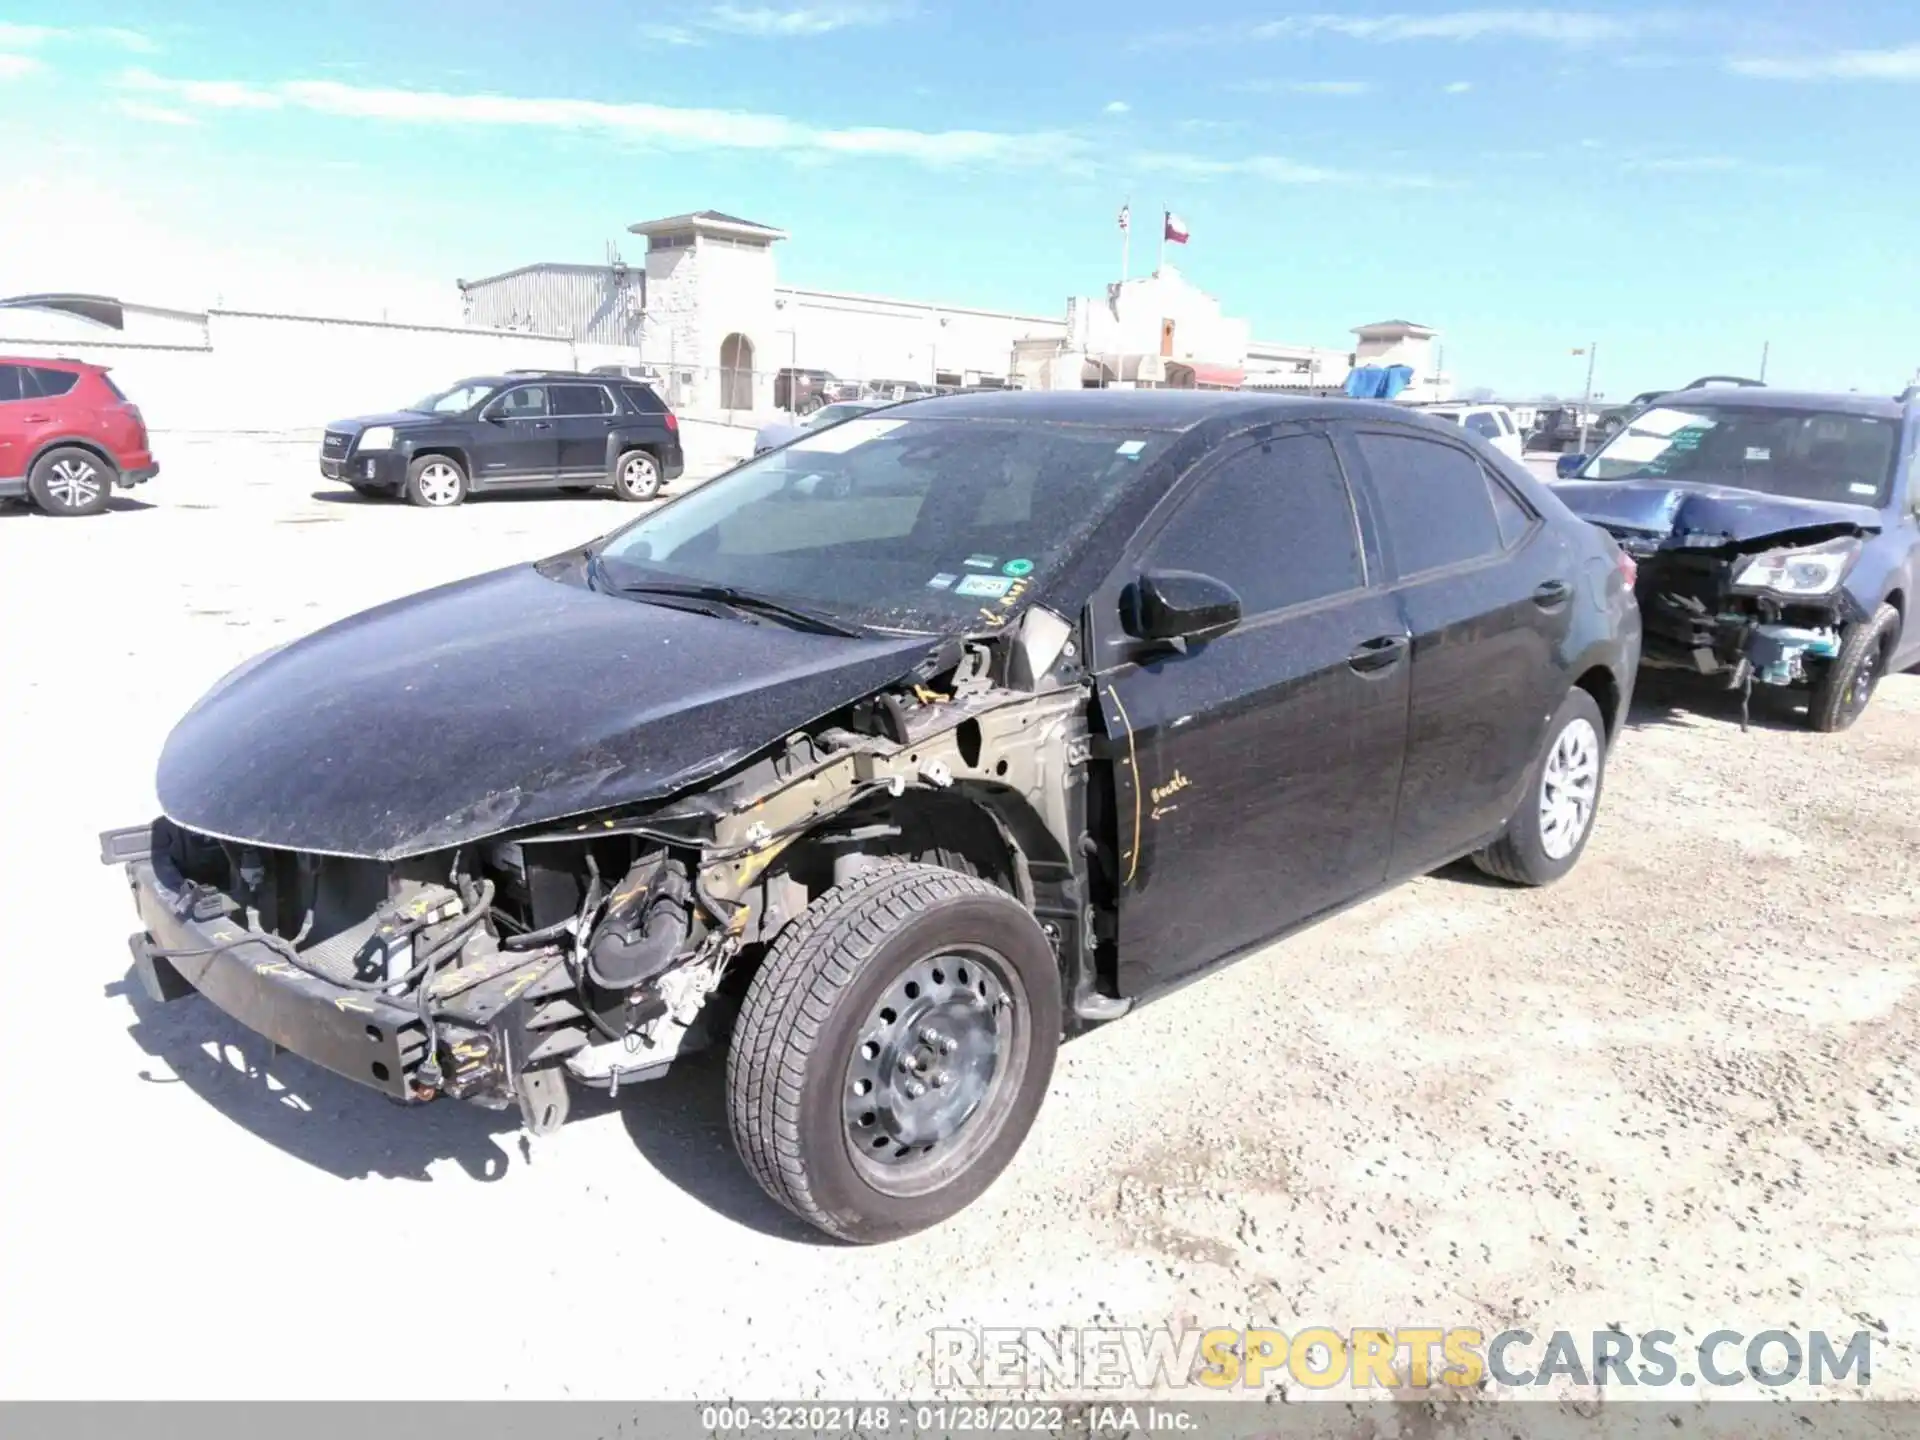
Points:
(38, 419)
(541, 425)
(1550, 593)
(1377, 654)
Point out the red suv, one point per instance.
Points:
(68, 436)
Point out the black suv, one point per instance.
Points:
(526, 430)
(886, 759)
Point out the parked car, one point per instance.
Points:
(779, 432)
(1775, 537)
(891, 390)
(1557, 428)
(887, 759)
(68, 436)
(527, 430)
(1492, 423)
(645, 374)
(800, 392)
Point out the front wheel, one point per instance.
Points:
(68, 481)
(892, 1052)
(637, 477)
(1544, 839)
(1841, 696)
(436, 482)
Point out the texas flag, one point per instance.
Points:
(1176, 229)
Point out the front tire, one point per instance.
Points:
(892, 1051)
(436, 482)
(69, 482)
(1546, 836)
(637, 476)
(1841, 696)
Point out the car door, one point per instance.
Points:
(1486, 590)
(1255, 774)
(14, 439)
(583, 416)
(514, 443)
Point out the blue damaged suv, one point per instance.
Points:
(1775, 536)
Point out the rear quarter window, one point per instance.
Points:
(52, 383)
(643, 399)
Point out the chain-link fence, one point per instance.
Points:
(733, 393)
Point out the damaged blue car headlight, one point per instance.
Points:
(1816, 570)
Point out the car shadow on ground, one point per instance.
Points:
(119, 504)
(1694, 703)
(303, 1110)
(503, 497)
(679, 1124)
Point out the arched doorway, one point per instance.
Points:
(736, 373)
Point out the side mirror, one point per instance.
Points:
(493, 415)
(1172, 605)
(1568, 465)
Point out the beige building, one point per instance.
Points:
(706, 309)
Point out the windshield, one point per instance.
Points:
(456, 401)
(1806, 454)
(834, 414)
(892, 523)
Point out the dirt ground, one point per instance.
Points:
(1675, 1092)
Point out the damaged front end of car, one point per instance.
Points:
(1745, 588)
(598, 947)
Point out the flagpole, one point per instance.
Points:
(1164, 212)
(1126, 242)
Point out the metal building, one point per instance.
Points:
(600, 304)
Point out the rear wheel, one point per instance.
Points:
(893, 1050)
(1546, 836)
(1841, 695)
(68, 481)
(637, 476)
(436, 482)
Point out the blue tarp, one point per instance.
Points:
(1373, 382)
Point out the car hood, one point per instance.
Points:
(1665, 515)
(506, 700)
(397, 418)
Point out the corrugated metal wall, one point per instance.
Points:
(581, 302)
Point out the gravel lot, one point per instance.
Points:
(1677, 1091)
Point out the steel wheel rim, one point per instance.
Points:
(638, 475)
(1569, 788)
(1860, 688)
(957, 1017)
(440, 484)
(73, 483)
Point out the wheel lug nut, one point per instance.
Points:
(948, 1045)
(930, 1036)
(915, 1089)
(941, 1080)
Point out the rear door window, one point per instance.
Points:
(9, 382)
(1435, 507)
(581, 400)
(1513, 518)
(53, 382)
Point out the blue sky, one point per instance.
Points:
(1680, 185)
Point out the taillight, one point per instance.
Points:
(673, 421)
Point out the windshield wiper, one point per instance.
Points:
(744, 600)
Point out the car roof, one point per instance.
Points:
(1174, 410)
(51, 362)
(1753, 398)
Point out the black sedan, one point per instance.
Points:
(888, 760)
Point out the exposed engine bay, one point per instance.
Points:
(609, 945)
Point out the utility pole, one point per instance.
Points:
(1586, 400)
(1765, 346)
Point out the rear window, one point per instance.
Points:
(51, 383)
(112, 389)
(643, 399)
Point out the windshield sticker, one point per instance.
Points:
(1131, 448)
(942, 581)
(839, 439)
(981, 562)
(989, 586)
(1858, 489)
(1759, 452)
(1017, 568)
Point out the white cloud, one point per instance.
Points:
(1458, 87)
(151, 114)
(1709, 165)
(14, 36)
(12, 67)
(1116, 107)
(1553, 27)
(775, 22)
(1899, 63)
(1275, 169)
(681, 128)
